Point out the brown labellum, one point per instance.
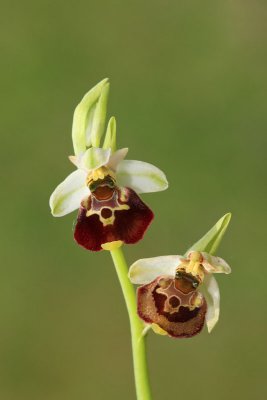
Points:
(111, 214)
(173, 305)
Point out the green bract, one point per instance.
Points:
(211, 240)
(89, 118)
(110, 138)
(99, 119)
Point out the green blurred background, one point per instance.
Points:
(188, 89)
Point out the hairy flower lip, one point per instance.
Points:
(184, 323)
(128, 224)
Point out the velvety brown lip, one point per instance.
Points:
(183, 323)
(129, 225)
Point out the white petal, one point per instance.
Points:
(117, 158)
(212, 296)
(94, 158)
(147, 269)
(215, 265)
(142, 177)
(69, 194)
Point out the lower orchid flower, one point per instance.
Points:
(104, 188)
(179, 293)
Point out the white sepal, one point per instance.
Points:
(68, 194)
(212, 295)
(142, 177)
(147, 269)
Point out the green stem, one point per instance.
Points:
(138, 339)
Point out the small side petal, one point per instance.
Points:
(215, 265)
(94, 158)
(142, 177)
(212, 294)
(117, 157)
(147, 269)
(69, 194)
(76, 160)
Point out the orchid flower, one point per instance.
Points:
(104, 187)
(179, 293)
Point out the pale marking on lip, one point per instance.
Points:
(112, 204)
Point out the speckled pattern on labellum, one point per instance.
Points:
(111, 214)
(171, 299)
(178, 311)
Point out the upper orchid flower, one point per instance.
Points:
(171, 298)
(105, 186)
